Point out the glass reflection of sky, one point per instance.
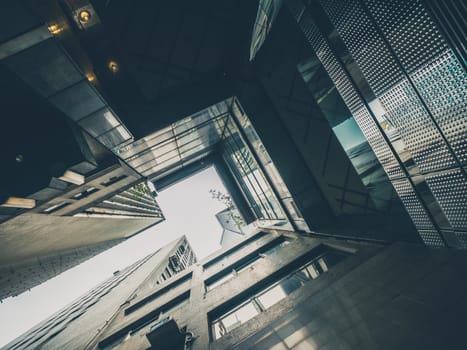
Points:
(347, 131)
(349, 134)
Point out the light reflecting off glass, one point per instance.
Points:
(323, 264)
(276, 292)
(272, 296)
(233, 320)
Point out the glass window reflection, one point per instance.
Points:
(276, 292)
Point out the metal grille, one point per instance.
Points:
(418, 214)
(418, 131)
(364, 43)
(450, 190)
(409, 30)
(443, 85)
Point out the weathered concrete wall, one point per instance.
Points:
(381, 297)
(16, 279)
(404, 297)
(78, 324)
(396, 297)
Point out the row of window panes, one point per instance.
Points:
(186, 260)
(172, 306)
(274, 293)
(170, 286)
(245, 265)
(235, 249)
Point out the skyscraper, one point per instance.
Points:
(81, 322)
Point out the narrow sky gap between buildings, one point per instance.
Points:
(189, 210)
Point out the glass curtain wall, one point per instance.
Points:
(347, 132)
(268, 166)
(194, 138)
(249, 176)
(407, 91)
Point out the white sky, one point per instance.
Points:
(188, 209)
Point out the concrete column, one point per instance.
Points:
(198, 320)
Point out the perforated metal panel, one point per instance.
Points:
(442, 83)
(409, 30)
(427, 110)
(364, 43)
(462, 238)
(330, 63)
(450, 17)
(450, 190)
(371, 131)
(416, 128)
(378, 144)
(351, 98)
(417, 212)
(431, 238)
(312, 33)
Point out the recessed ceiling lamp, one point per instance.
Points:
(91, 77)
(113, 66)
(84, 16)
(54, 29)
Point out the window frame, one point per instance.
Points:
(311, 258)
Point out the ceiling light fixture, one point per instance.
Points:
(90, 77)
(54, 29)
(113, 66)
(84, 16)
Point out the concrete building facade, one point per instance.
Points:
(64, 197)
(76, 223)
(277, 289)
(81, 322)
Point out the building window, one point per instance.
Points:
(176, 303)
(167, 272)
(235, 249)
(55, 207)
(113, 180)
(85, 193)
(276, 247)
(158, 293)
(273, 293)
(235, 318)
(125, 333)
(245, 263)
